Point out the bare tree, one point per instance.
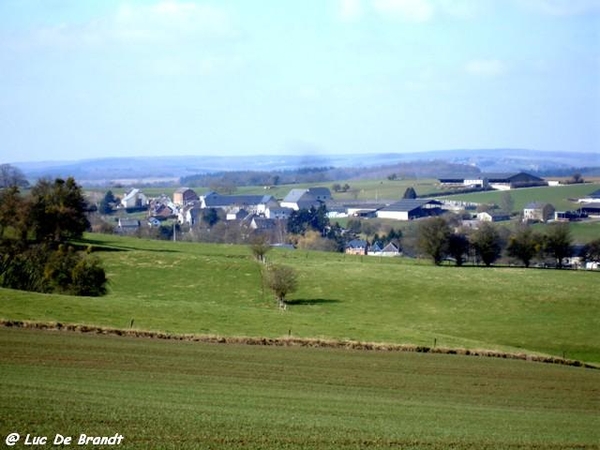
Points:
(282, 280)
(259, 245)
(507, 203)
(12, 176)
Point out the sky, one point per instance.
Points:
(103, 78)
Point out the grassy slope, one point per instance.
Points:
(367, 189)
(180, 395)
(212, 289)
(559, 196)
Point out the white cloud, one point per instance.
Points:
(170, 19)
(350, 10)
(485, 67)
(164, 22)
(464, 9)
(560, 7)
(409, 10)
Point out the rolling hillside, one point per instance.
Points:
(217, 289)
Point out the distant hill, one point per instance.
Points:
(434, 163)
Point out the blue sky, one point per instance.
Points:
(86, 79)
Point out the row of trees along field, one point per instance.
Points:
(35, 234)
(437, 239)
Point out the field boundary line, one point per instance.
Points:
(290, 342)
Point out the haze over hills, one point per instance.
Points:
(175, 167)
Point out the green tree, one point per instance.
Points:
(432, 238)
(487, 243)
(524, 244)
(54, 213)
(88, 278)
(12, 208)
(558, 242)
(58, 271)
(22, 266)
(304, 219)
(210, 217)
(458, 247)
(57, 210)
(591, 251)
(282, 280)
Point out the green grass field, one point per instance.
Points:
(186, 395)
(370, 190)
(217, 289)
(561, 197)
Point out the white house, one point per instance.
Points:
(592, 197)
(134, 199)
(538, 212)
(492, 217)
(305, 198)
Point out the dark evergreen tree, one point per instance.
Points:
(107, 203)
(410, 193)
(458, 247)
(58, 210)
(210, 217)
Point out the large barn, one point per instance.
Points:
(409, 209)
(500, 181)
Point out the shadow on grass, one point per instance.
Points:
(105, 246)
(312, 301)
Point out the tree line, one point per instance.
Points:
(440, 240)
(36, 234)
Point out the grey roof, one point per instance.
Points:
(391, 247)
(357, 243)
(507, 176)
(409, 204)
(320, 191)
(376, 246)
(295, 195)
(129, 223)
(263, 224)
(231, 200)
(492, 177)
(536, 205)
(307, 195)
(279, 209)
